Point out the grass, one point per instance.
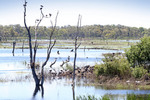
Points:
(88, 44)
(138, 97)
(2, 80)
(115, 97)
(90, 97)
(69, 67)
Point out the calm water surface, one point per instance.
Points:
(19, 62)
(58, 89)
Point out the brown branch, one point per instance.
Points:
(32, 64)
(14, 44)
(48, 55)
(53, 64)
(64, 62)
(52, 32)
(76, 47)
(23, 46)
(38, 21)
(29, 34)
(35, 50)
(49, 48)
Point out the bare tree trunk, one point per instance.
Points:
(39, 81)
(75, 56)
(37, 88)
(23, 46)
(14, 44)
(76, 45)
(32, 64)
(73, 92)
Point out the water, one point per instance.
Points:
(58, 89)
(20, 60)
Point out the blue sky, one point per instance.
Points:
(135, 13)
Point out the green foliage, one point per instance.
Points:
(89, 97)
(138, 72)
(67, 32)
(107, 97)
(139, 55)
(99, 69)
(69, 67)
(113, 64)
(138, 97)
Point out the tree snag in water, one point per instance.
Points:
(14, 44)
(39, 81)
(76, 46)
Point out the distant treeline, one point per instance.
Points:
(67, 32)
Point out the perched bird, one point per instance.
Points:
(50, 14)
(41, 6)
(37, 20)
(24, 5)
(58, 52)
(71, 50)
(68, 59)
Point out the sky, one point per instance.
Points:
(134, 13)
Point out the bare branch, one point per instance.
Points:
(76, 47)
(35, 50)
(52, 32)
(64, 62)
(37, 21)
(53, 63)
(32, 64)
(49, 49)
(29, 34)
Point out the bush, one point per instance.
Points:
(114, 64)
(138, 97)
(138, 72)
(99, 69)
(69, 67)
(139, 55)
(89, 97)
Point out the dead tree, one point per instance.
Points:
(53, 64)
(14, 44)
(65, 62)
(23, 46)
(76, 46)
(39, 81)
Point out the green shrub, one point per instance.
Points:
(69, 67)
(90, 97)
(99, 69)
(138, 97)
(114, 64)
(139, 54)
(138, 72)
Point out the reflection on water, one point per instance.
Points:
(37, 89)
(20, 60)
(57, 89)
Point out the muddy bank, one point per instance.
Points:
(108, 82)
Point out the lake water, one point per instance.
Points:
(57, 89)
(19, 62)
